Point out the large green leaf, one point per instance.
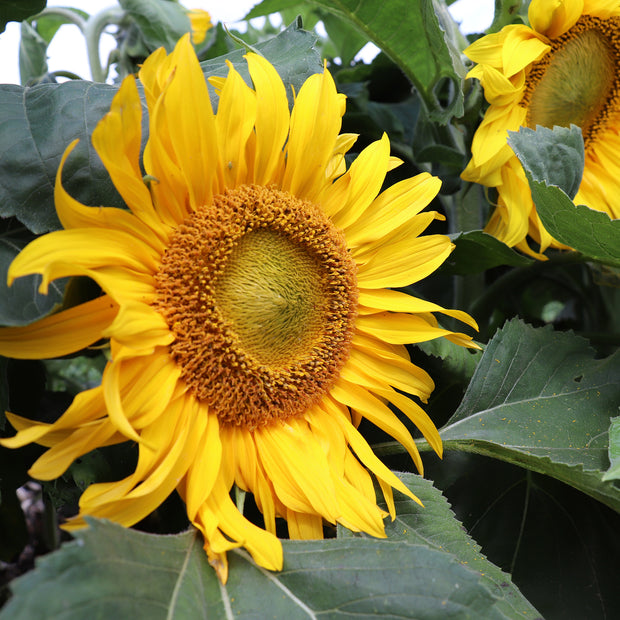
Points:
(613, 473)
(590, 232)
(436, 526)
(539, 399)
(549, 536)
(292, 52)
(21, 303)
(476, 251)
(18, 10)
(415, 34)
(553, 161)
(37, 124)
(161, 22)
(555, 156)
(115, 572)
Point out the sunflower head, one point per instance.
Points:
(563, 69)
(248, 294)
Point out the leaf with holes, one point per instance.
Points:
(539, 399)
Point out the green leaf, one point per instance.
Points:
(436, 527)
(549, 536)
(161, 22)
(590, 232)
(18, 10)
(553, 161)
(346, 40)
(38, 123)
(476, 251)
(36, 35)
(292, 53)
(553, 156)
(111, 571)
(539, 399)
(21, 303)
(459, 362)
(32, 54)
(412, 35)
(613, 473)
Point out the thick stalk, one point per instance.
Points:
(93, 30)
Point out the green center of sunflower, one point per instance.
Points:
(578, 80)
(270, 293)
(261, 294)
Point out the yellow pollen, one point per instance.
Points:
(578, 80)
(261, 294)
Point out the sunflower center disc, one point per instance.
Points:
(577, 81)
(261, 294)
(270, 293)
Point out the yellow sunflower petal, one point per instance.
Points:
(404, 263)
(272, 120)
(521, 48)
(284, 451)
(555, 17)
(73, 214)
(64, 252)
(367, 174)
(392, 208)
(315, 123)
(376, 412)
(395, 301)
(204, 469)
(367, 456)
(401, 373)
(264, 547)
(117, 139)
(303, 526)
(53, 463)
(236, 116)
(399, 328)
(138, 326)
(86, 407)
(193, 132)
(61, 333)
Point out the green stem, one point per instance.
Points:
(67, 74)
(511, 280)
(69, 16)
(505, 11)
(93, 30)
(393, 448)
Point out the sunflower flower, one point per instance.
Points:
(247, 296)
(563, 69)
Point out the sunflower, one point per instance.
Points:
(564, 69)
(246, 303)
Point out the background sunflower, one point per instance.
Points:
(562, 70)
